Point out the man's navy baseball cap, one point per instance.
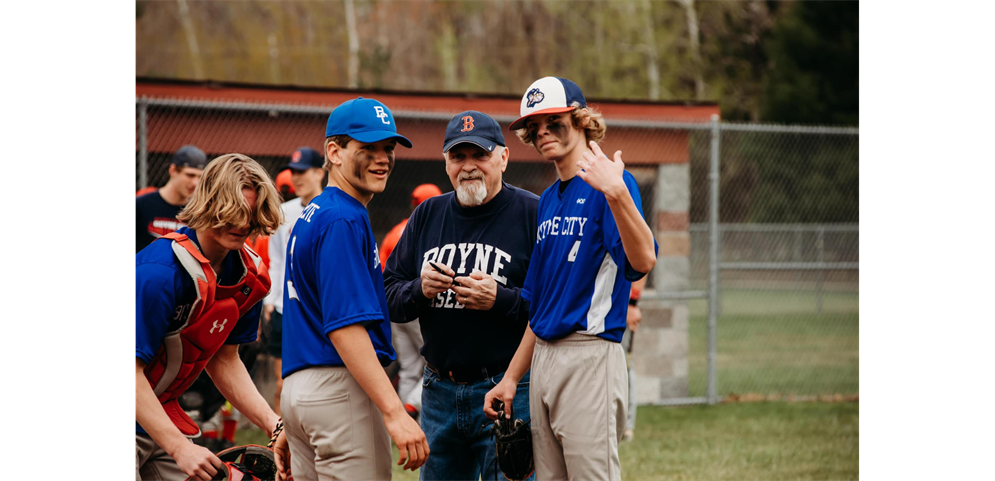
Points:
(366, 120)
(305, 158)
(190, 156)
(549, 95)
(474, 127)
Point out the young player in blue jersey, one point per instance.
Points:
(197, 298)
(592, 242)
(308, 173)
(472, 315)
(340, 409)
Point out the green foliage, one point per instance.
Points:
(733, 36)
(375, 66)
(790, 178)
(780, 61)
(779, 178)
(813, 75)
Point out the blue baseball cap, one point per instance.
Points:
(190, 156)
(366, 120)
(305, 158)
(549, 95)
(474, 127)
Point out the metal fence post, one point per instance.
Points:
(796, 256)
(143, 150)
(820, 245)
(713, 260)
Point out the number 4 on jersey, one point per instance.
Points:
(573, 252)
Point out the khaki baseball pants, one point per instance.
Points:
(577, 400)
(152, 463)
(334, 429)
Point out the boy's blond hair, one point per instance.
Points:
(587, 118)
(218, 201)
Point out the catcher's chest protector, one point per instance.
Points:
(213, 315)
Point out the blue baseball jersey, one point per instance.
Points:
(164, 293)
(579, 277)
(332, 280)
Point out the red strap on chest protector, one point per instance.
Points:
(212, 316)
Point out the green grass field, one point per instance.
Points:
(769, 342)
(771, 301)
(774, 342)
(755, 441)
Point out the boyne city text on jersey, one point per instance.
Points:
(561, 226)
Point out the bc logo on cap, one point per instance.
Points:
(535, 96)
(381, 114)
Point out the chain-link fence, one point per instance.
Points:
(271, 133)
(787, 312)
(775, 313)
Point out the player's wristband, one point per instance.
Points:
(276, 432)
(634, 302)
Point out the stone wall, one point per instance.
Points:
(660, 346)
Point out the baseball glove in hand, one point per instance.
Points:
(513, 438)
(246, 463)
(249, 462)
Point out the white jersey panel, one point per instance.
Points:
(601, 299)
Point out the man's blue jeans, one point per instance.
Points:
(458, 432)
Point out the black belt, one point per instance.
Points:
(468, 375)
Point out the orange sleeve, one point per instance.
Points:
(261, 247)
(390, 240)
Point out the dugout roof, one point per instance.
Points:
(266, 134)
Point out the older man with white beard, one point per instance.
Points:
(472, 313)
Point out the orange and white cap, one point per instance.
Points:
(549, 95)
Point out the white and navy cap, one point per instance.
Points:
(549, 95)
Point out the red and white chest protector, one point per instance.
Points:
(186, 351)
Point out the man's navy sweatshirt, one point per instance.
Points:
(495, 238)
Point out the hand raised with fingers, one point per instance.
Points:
(477, 291)
(602, 173)
(432, 282)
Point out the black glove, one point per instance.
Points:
(514, 445)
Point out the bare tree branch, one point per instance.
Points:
(196, 61)
(350, 17)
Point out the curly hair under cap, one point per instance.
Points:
(587, 118)
(218, 201)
